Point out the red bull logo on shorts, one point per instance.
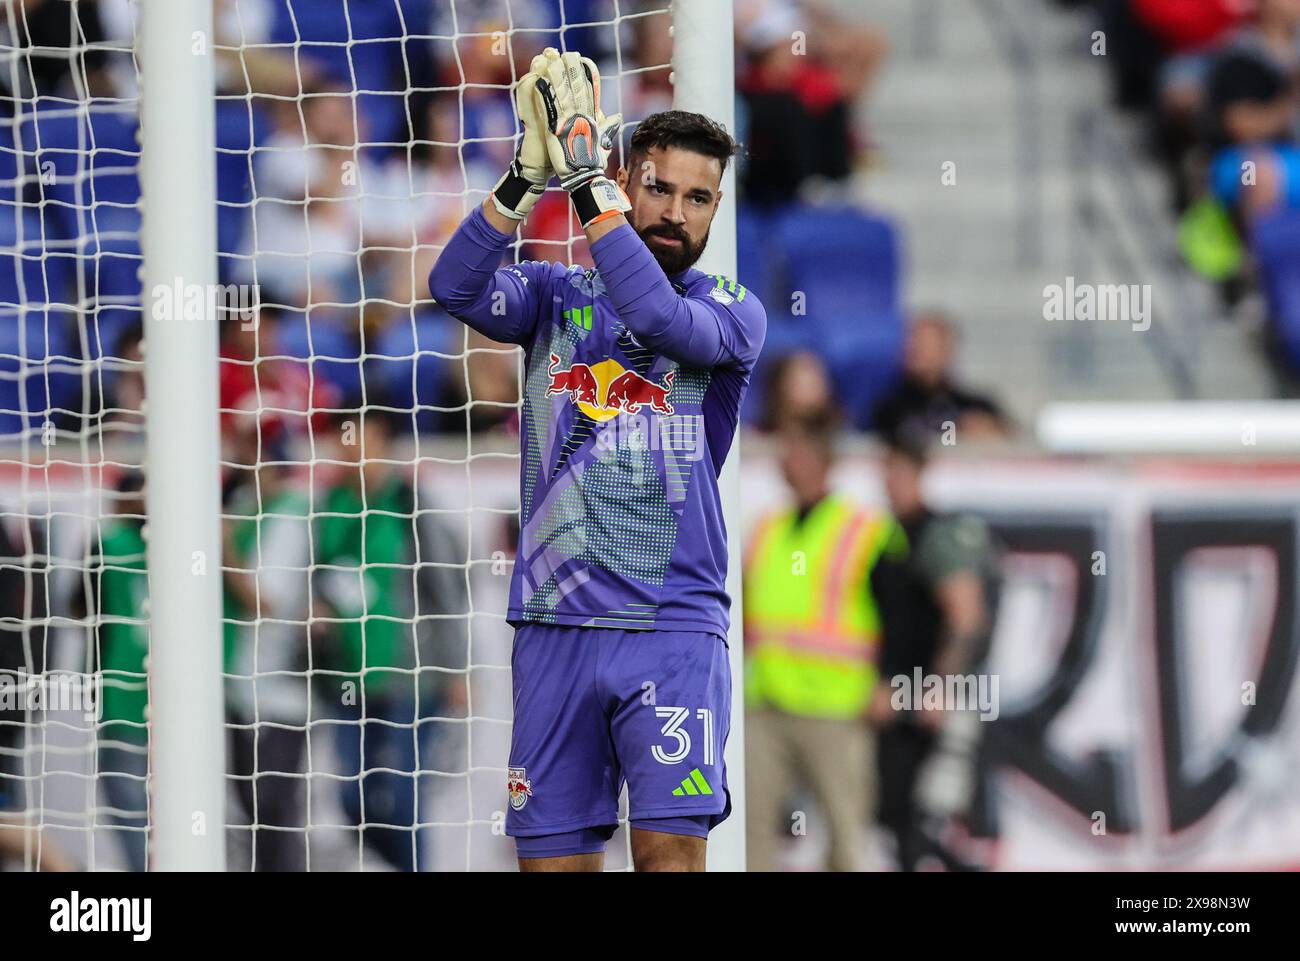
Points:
(608, 388)
(519, 787)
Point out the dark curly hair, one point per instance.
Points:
(689, 131)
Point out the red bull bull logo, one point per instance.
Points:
(608, 388)
(578, 381)
(519, 787)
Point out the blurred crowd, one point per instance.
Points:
(351, 141)
(346, 650)
(1216, 81)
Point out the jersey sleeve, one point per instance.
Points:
(700, 328)
(503, 303)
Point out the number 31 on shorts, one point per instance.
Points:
(674, 719)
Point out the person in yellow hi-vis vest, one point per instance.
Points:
(811, 632)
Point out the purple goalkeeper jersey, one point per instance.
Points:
(632, 391)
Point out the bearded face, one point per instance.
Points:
(674, 194)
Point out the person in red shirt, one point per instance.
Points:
(1188, 24)
(278, 392)
(797, 114)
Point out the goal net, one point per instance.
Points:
(369, 443)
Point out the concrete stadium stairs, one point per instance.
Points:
(1050, 183)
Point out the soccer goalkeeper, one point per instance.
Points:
(635, 373)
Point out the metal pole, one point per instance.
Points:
(704, 81)
(182, 463)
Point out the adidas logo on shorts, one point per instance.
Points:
(693, 785)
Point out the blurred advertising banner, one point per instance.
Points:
(1146, 658)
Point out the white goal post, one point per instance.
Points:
(182, 459)
(704, 81)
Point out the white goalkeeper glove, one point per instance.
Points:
(524, 181)
(579, 137)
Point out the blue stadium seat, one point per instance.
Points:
(758, 261)
(1276, 244)
(39, 371)
(94, 158)
(403, 366)
(847, 264)
(25, 276)
(332, 351)
(357, 45)
(30, 331)
(761, 267)
(241, 128)
(83, 162)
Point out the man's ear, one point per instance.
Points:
(621, 178)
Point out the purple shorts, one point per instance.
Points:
(597, 707)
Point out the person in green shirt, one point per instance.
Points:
(380, 563)
(266, 568)
(117, 593)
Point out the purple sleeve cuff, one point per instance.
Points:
(483, 233)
